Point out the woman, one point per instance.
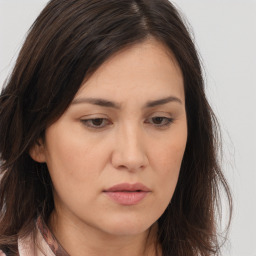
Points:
(108, 144)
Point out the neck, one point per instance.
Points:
(83, 240)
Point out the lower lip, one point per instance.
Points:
(127, 198)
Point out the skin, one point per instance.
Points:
(127, 143)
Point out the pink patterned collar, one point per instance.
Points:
(49, 238)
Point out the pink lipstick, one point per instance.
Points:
(127, 194)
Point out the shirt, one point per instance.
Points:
(43, 244)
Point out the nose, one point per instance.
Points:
(129, 151)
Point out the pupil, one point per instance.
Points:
(158, 120)
(97, 122)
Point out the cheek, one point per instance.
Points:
(168, 154)
(168, 169)
(72, 154)
(70, 164)
(167, 162)
(74, 169)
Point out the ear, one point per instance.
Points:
(37, 151)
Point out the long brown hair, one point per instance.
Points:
(68, 42)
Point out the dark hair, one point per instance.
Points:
(68, 42)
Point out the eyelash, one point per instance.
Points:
(89, 123)
(104, 122)
(167, 121)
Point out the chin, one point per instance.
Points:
(128, 227)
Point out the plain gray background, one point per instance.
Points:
(225, 35)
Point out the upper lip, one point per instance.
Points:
(128, 187)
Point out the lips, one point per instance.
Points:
(128, 187)
(127, 194)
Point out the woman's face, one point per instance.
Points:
(114, 156)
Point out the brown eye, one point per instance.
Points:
(96, 123)
(160, 121)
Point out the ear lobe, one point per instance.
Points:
(37, 152)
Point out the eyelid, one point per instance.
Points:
(161, 114)
(88, 122)
(167, 121)
(164, 122)
(158, 120)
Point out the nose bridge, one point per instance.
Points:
(129, 150)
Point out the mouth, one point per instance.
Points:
(127, 194)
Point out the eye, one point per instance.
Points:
(160, 121)
(96, 123)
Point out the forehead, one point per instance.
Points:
(144, 67)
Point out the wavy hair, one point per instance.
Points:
(68, 41)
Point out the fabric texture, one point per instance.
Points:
(41, 242)
(2, 253)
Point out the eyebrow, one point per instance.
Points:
(111, 104)
(97, 101)
(163, 101)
